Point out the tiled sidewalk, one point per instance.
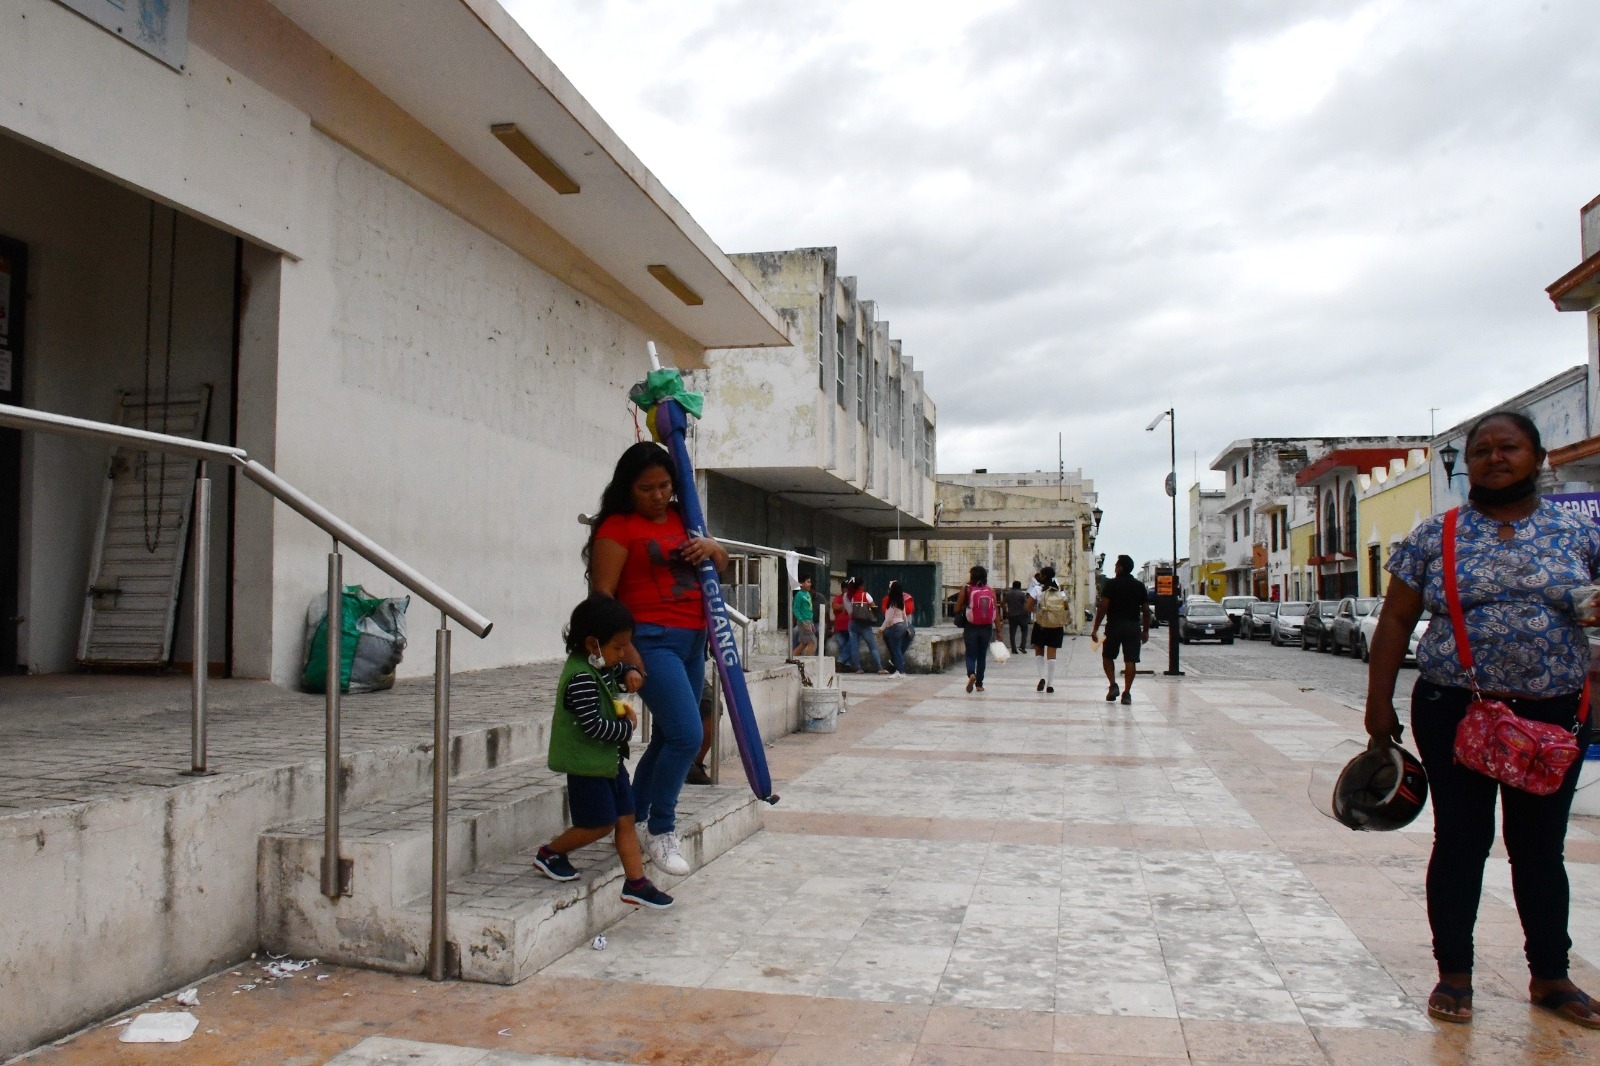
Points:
(995, 878)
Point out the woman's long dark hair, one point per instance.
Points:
(1047, 578)
(895, 597)
(618, 495)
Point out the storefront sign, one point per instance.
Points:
(158, 27)
(1584, 503)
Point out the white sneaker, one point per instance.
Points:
(664, 852)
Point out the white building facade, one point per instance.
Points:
(419, 296)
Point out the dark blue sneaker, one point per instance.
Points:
(642, 893)
(554, 865)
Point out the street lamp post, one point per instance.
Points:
(1170, 415)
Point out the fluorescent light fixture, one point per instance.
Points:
(1156, 422)
(674, 284)
(536, 160)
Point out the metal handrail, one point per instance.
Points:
(367, 548)
(336, 871)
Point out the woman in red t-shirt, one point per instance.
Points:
(640, 553)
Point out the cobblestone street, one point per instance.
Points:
(1006, 877)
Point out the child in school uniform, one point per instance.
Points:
(589, 741)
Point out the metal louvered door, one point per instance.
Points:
(136, 573)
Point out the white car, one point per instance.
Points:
(1236, 606)
(1369, 626)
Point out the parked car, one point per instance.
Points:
(1286, 622)
(1256, 623)
(1205, 620)
(1369, 626)
(1345, 633)
(1236, 606)
(1314, 632)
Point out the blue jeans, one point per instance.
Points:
(675, 669)
(978, 640)
(847, 648)
(898, 637)
(866, 641)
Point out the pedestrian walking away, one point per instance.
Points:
(589, 743)
(1508, 620)
(863, 622)
(1124, 607)
(640, 553)
(1050, 614)
(978, 613)
(1018, 616)
(843, 637)
(897, 626)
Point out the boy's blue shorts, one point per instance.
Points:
(598, 802)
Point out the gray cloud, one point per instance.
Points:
(1279, 217)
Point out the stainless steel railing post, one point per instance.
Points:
(201, 524)
(441, 802)
(332, 882)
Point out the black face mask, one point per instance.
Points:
(1512, 493)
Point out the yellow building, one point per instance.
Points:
(1391, 503)
(1302, 576)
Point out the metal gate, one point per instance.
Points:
(136, 572)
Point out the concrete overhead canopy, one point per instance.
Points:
(822, 490)
(460, 67)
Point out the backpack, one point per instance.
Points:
(981, 609)
(1052, 609)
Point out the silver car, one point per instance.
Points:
(1287, 621)
(1236, 606)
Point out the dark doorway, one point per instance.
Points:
(13, 312)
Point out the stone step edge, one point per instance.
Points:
(561, 916)
(420, 804)
(499, 948)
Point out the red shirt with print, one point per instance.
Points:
(656, 584)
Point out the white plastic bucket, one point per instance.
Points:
(821, 709)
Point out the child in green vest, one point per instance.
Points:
(589, 741)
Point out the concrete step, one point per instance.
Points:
(507, 920)
(493, 815)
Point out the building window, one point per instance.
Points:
(1272, 521)
(1350, 519)
(927, 449)
(1233, 474)
(1246, 466)
(1374, 570)
(1235, 534)
(838, 361)
(822, 347)
(863, 383)
(1249, 531)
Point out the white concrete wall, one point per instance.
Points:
(452, 400)
(87, 242)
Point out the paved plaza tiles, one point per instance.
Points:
(1006, 877)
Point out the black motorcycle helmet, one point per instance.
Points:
(1380, 790)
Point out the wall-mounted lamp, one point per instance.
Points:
(1448, 456)
(1098, 514)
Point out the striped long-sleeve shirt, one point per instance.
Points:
(584, 701)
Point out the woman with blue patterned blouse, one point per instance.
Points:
(1519, 560)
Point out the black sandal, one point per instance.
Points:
(1459, 1012)
(1558, 1001)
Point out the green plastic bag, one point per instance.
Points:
(357, 606)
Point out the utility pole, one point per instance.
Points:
(1170, 414)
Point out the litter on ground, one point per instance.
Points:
(164, 1027)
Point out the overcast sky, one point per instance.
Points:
(1281, 218)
